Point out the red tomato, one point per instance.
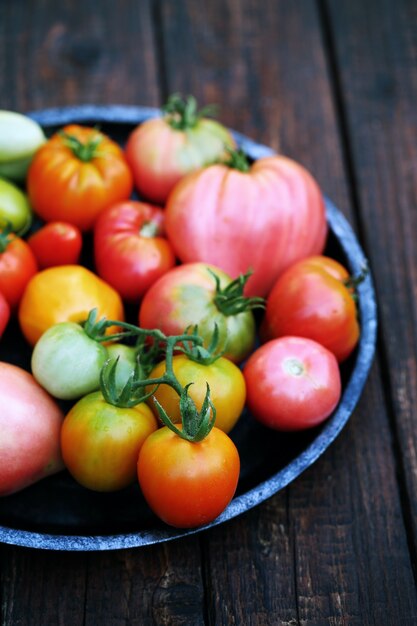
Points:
(188, 484)
(76, 174)
(311, 300)
(292, 383)
(264, 218)
(160, 151)
(56, 243)
(17, 266)
(130, 250)
(4, 313)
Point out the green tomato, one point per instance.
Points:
(20, 137)
(67, 362)
(126, 364)
(14, 207)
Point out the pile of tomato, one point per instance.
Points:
(211, 253)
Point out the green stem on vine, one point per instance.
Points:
(230, 299)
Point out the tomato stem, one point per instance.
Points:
(6, 236)
(230, 299)
(236, 160)
(182, 113)
(85, 152)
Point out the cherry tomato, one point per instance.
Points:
(76, 174)
(130, 250)
(101, 442)
(4, 313)
(185, 296)
(56, 243)
(263, 216)
(188, 484)
(292, 383)
(66, 293)
(312, 300)
(162, 150)
(17, 266)
(227, 389)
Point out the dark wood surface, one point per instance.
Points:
(333, 84)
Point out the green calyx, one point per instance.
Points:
(182, 113)
(83, 151)
(131, 394)
(236, 160)
(353, 282)
(230, 299)
(199, 353)
(6, 237)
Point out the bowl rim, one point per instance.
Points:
(356, 260)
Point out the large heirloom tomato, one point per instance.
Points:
(292, 383)
(17, 266)
(187, 296)
(76, 174)
(188, 484)
(162, 150)
(129, 248)
(265, 217)
(66, 293)
(312, 299)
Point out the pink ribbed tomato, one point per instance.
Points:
(265, 216)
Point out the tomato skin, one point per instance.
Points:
(126, 256)
(56, 243)
(66, 293)
(67, 362)
(265, 219)
(63, 187)
(17, 266)
(227, 389)
(184, 296)
(160, 155)
(311, 300)
(14, 206)
(30, 424)
(101, 442)
(292, 383)
(188, 484)
(4, 314)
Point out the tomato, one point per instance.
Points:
(4, 313)
(76, 174)
(17, 267)
(101, 442)
(186, 295)
(66, 293)
(312, 300)
(188, 484)
(162, 150)
(130, 250)
(67, 362)
(30, 424)
(265, 217)
(14, 208)
(227, 388)
(56, 243)
(20, 137)
(292, 383)
(127, 359)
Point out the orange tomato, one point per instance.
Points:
(76, 174)
(65, 293)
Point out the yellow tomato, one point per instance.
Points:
(65, 294)
(227, 389)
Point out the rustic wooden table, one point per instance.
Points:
(333, 84)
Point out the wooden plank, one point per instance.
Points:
(269, 73)
(377, 61)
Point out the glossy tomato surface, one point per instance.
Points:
(130, 250)
(292, 383)
(312, 299)
(74, 185)
(56, 243)
(17, 266)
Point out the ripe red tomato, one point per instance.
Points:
(17, 266)
(76, 174)
(264, 217)
(129, 248)
(186, 296)
(161, 150)
(292, 383)
(4, 313)
(56, 243)
(311, 299)
(188, 484)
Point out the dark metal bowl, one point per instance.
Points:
(58, 514)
